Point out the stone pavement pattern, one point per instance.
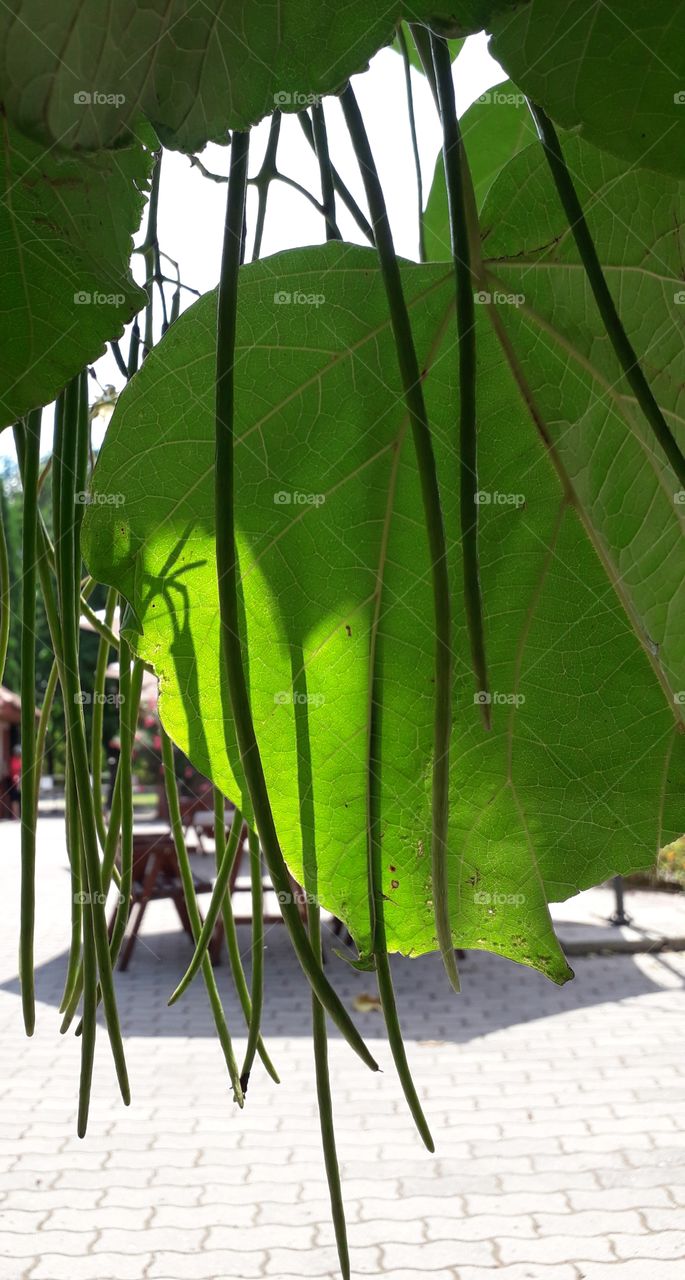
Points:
(557, 1113)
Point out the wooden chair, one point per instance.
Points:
(194, 807)
(156, 876)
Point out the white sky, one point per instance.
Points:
(191, 208)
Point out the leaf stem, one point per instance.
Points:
(455, 161)
(414, 399)
(402, 41)
(341, 190)
(606, 306)
(263, 181)
(422, 39)
(326, 174)
(227, 572)
(150, 249)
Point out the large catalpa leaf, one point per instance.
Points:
(494, 129)
(71, 76)
(628, 494)
(615, 71)
(66, 227)
(568, 787)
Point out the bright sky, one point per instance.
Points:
(191, 208)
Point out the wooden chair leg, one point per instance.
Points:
(132, 934)
(216, 942)
(181, 908)
(149, 883)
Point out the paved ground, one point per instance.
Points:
(558, 1116)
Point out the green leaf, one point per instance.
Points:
(494, 129)
(625, 489)
(614, 71)
(65, 242)
(195, 70)
(567, 788)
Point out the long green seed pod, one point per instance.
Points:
(89, 1020)
(220, 903)
(227, 571)
(123, 782)
(224, 868)
(606, 306)
(98, 718)
(375, 879)
(311, 886)
(29, 785)
(66, 441)
(325, 1100)
(194, 914)
(257, 986)
(232, 945)
(74, 963)
(454, 160)
(414, 399)
(128, 712)
(43, 722)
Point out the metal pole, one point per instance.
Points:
(619, 917)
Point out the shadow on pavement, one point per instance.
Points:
(496, 993)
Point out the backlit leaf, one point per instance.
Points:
(576, 779)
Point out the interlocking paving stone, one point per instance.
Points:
(557, 1114)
